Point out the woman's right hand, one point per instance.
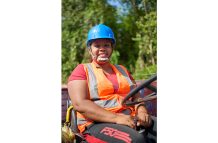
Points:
(125, 120)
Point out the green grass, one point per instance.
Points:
(145, 73)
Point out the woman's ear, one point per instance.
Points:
(112, 45)
(90, 52)
(89, 49)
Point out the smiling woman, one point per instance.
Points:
(97, 90)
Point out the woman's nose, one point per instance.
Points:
(102, 47)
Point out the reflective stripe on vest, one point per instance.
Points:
(92, 83)
(121, 70)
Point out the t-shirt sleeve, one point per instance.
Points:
(130, 76)
(78, 73)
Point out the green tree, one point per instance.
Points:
(134, 25)
(138, 34)
(146, 39)
(77, 18)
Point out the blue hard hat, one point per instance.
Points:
(100, 31)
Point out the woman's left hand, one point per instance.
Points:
(143, 117)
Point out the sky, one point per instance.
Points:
(114, 3)
(117, 4)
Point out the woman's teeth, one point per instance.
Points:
(102, 59)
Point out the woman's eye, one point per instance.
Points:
(103, 45)
(106, 45)
(97, 46)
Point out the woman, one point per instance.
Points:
(97, 89)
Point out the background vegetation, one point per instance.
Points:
(134, 25)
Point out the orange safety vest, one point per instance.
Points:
(101, 91)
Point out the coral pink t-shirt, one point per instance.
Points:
(80, 74)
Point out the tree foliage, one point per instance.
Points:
(134, 25)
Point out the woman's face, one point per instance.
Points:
(101, 50)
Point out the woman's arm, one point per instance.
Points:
(141, 111)
(78, 93)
